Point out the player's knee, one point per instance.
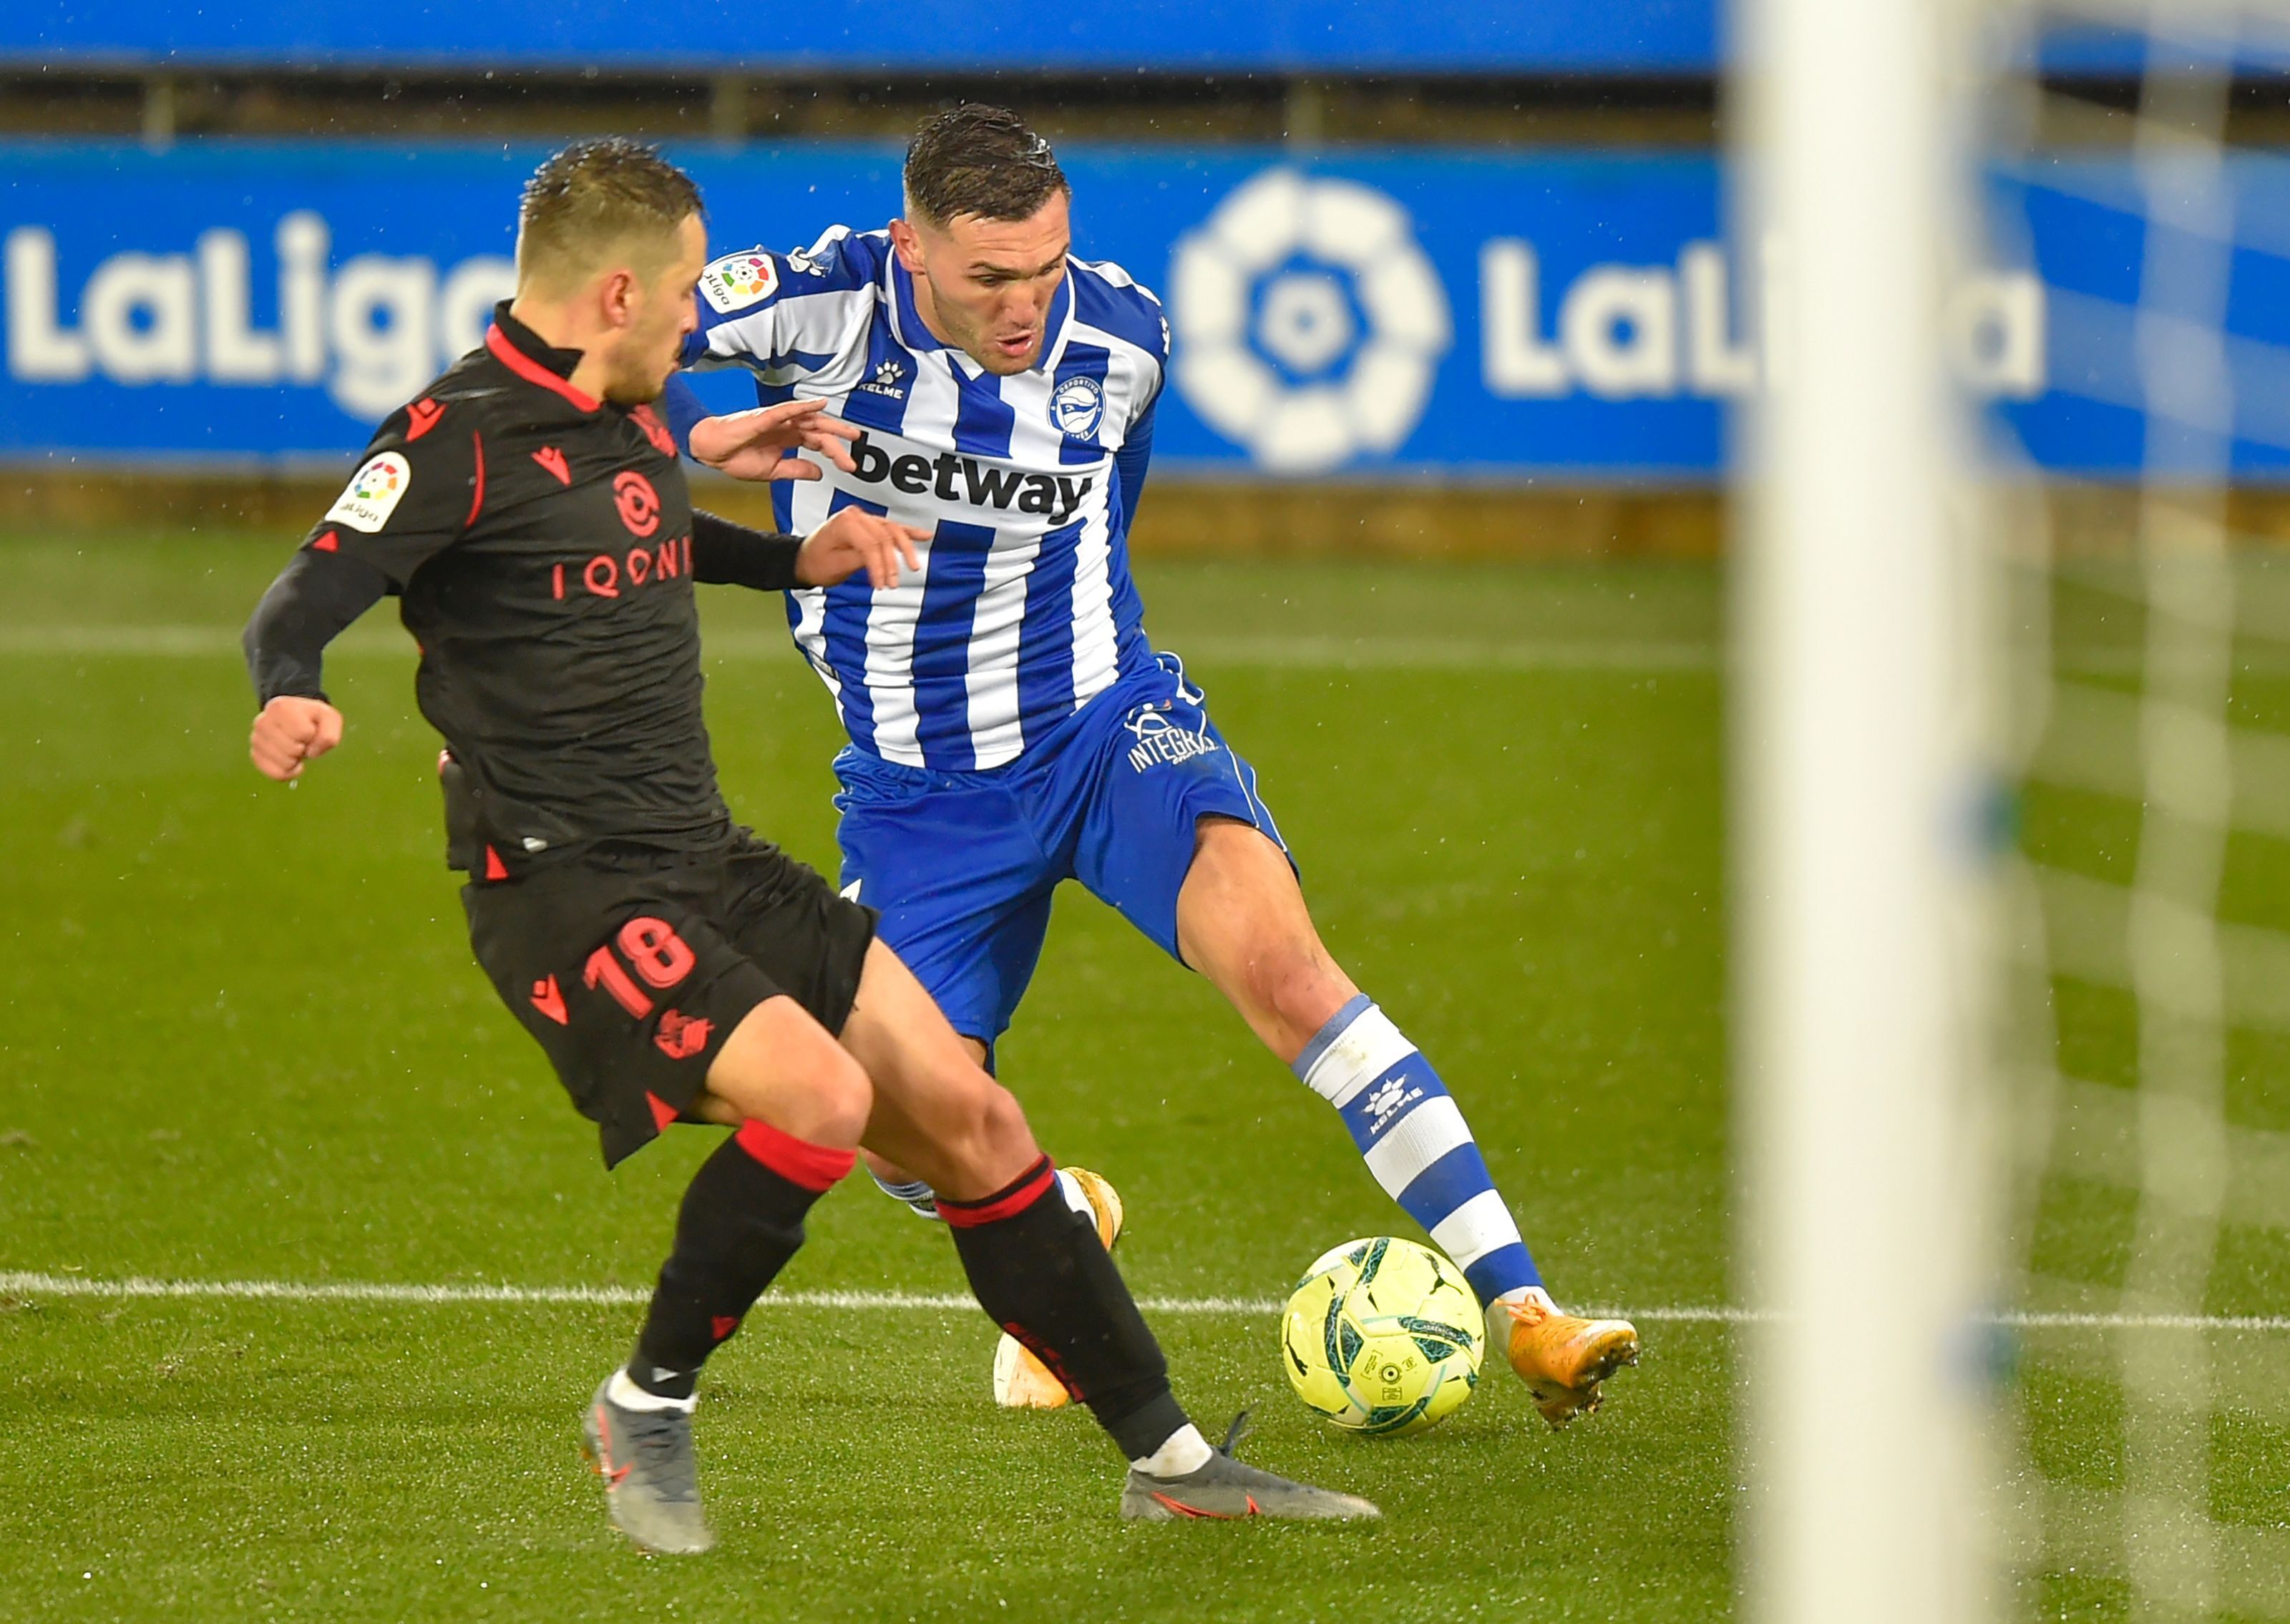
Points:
(1298, 984)
(786, 1070)
(1003, 1131)
(840, 1098)
(984, 1136)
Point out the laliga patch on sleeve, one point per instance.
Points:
(372, 493)
(738, 280)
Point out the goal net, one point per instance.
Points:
(2014, 751)
(2148, 1078)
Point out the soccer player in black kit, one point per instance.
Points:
(529, 512)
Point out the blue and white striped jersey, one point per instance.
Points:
(1025, 609)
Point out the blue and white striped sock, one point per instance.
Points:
(918, 1197)
(1417, 1144)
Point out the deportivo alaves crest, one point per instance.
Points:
(952, 477)
(1077, 405)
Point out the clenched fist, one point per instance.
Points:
(293, 731)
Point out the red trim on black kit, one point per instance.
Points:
(815, 1167)
(525, 367)
(1036, 1182)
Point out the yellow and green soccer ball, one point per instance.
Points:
(1383, 1336)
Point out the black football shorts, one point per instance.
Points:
(632, 967)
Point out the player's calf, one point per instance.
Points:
(742, 1216)
(1416, 1143)
(1243, 922)
(979, 1136)
(1038, 1267)
(1042, 1270)
(938, 1116)
(1021, 1381)
(1042, 1274)
(740, 1220)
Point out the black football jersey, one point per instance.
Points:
(539, 542)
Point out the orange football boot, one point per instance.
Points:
(1561, 1358)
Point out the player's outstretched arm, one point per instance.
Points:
(410, 499)
(854, 540)
(727, 554)
(315, 596)
(761, 444)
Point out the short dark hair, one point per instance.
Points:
(591, 199)
(975, 159)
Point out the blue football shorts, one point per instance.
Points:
(962, 864)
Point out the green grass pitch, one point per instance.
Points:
(245, 1041)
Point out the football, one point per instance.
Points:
(1383, 1336)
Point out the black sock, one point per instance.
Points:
(1041, 1273)
(741, 1221)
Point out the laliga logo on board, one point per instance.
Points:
(1656, 332)
(370, 330)
(1311, 324)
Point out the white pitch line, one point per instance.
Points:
(27, 1283)
(2147, 1322)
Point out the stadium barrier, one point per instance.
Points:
(1434, 320)
(1611, 38)
(1123, 37)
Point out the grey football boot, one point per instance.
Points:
(652, 1483)
(1224, 1488)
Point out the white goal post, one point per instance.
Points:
(1858, 875)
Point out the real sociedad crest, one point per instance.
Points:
(1077, 406)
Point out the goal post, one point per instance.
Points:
(1860, 781)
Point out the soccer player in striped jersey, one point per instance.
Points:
(1011, 726)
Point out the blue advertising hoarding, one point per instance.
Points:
(1336, 37)
(1612, 38)
(1429, 315)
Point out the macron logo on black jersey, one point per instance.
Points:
(953, 479)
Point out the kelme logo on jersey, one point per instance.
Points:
(952, 478)
(373, 494)
(1078, 406)
(738, 280)
(889, 378)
